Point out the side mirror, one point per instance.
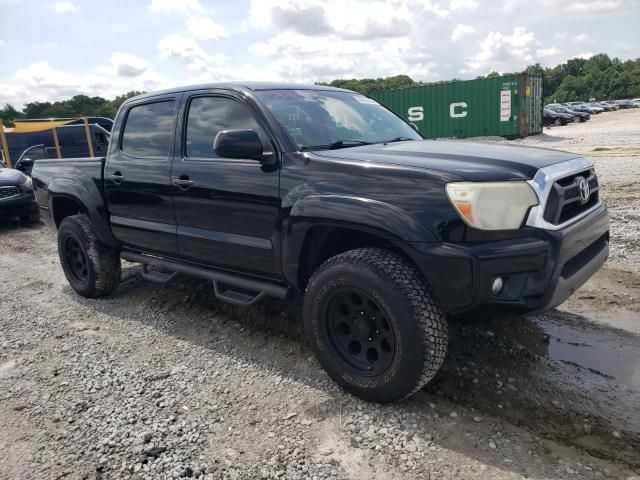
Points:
(241, 144)
(24, 164)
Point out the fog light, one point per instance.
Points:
(498, 283)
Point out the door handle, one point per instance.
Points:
(116, 177)
(184, 182)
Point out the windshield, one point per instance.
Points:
(321, 119)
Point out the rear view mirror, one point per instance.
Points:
(241, 144)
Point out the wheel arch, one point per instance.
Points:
(63, 205)
(320, 227)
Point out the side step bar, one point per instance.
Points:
(220, 279)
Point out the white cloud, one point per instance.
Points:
(596, 6)
(583, 39)
(461, 31)
(127, 65)
(47, 45)
(65, 7)
(585, 55)
(548, 52)
(176, 6)
(347, 18)
(587, 7)
(40, 81)
(2, 43)
(206, 28)
(189, 51)
(456, 5)
(560, 35)
(503, 53)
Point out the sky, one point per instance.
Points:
(54, 49)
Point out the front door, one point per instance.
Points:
(137, 176)
(226, 209)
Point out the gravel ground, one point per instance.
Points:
(166, 382)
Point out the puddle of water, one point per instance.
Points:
(606, 352)
(622, 319)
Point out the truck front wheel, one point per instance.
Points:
(374, 324)
(92, 268)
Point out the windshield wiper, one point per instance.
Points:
(398, 139)
(336, 145)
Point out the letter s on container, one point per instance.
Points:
(416, 114)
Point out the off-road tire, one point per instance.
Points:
(102, 262)
(417, 322)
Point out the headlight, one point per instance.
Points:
(492, 205)
(27, 183)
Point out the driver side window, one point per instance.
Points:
(209, 115)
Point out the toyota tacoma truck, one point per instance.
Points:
(323, 196)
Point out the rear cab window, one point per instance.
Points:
(148, 130)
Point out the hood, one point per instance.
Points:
(11, 177)
(472, 161)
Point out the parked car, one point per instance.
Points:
(596, 106)
(579, 116)
(584, 107)
(324, 196)
(551, 117)
(16, 196)
(606, 106)
(612, 103)
(625, 104)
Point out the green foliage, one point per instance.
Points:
(78, 106)
(368, 85)
(579, 79)
(598, 77)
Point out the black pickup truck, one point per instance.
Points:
(323, 196)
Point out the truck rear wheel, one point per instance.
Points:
(374, 324)
(92, 268)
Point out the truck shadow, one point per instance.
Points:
(517, 370)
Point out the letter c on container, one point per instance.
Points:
(459, 114)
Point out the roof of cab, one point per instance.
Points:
(240, 86)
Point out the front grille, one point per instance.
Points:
(565, 201)
(8, 192)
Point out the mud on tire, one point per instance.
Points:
(92, 268)
(374, 324)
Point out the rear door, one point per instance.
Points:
(227, 213)
(137, 175)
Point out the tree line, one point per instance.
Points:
(579, 79)
(77, 106)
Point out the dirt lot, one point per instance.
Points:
(166, 382)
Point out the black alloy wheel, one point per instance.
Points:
(359, 332)
(76, 258)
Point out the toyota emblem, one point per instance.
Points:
(585, 190)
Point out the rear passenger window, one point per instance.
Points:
(147, 131)
(209, 115)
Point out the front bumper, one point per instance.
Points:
(18, 206)
(539, 271)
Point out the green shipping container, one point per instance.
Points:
(508, 106)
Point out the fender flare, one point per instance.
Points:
(357, 213)
(85, 195)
